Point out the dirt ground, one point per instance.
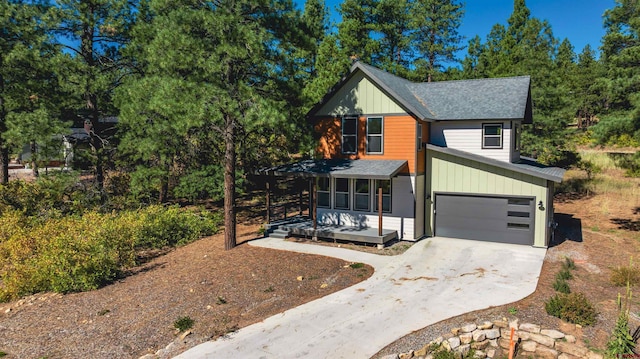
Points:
(220, 290)
(223, 291)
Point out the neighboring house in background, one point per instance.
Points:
(445, 154)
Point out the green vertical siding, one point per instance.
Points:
(359, 96)
(453, 174)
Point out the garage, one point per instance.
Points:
(485, 218)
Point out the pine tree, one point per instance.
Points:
(210, 71)
(435, 36)
(27, 83)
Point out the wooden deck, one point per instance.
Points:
(303, 227)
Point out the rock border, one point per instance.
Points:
(490, 340)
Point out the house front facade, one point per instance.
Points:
(430, 159)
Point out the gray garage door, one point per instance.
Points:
(494, 219)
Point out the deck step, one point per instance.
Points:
(278, 233)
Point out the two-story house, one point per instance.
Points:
(444, 156)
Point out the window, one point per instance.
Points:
(516, 135)
(386, 195)
(349, 135)
(324, 192)
(374, 135)
(342, 193)
(419, 140)
(492, 136)
(362, 195)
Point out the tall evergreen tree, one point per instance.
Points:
(354, 32)
(27, 83)
(391, 32)
(95, 32)
(435, 34)
(210, 74)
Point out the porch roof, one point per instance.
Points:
(338, 168)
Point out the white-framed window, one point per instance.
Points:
(386, 194)
(349, 135)
(517, 130)
(419, 137)
(324, 192)
(492, 135)
(341, 200)
(362, 195)
(375, 129)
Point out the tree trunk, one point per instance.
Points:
(86, 47)
(229, 183)
(4, 151)
(34, 159)
(4, 158)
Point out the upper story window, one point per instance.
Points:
(419, 137)
(349, 135)
(517, 129)
(374, 134)
(324, 192)
(492, 135)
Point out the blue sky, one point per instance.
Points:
(578, 20)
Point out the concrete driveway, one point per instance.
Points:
(437, 278)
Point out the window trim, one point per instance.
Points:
(355, 135)
(356, 194)
(318, 191)
(381, 135)
(390, 195)
(517, 131)
(419, 137)
(336, 192)
(500, 136)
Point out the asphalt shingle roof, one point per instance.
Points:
(339, 168)
(505, 98)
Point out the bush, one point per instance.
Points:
(561, 285)
(621, 341)
(622, 276)
(183, 323)
(565, 274)
(574, 308)
(83, 253)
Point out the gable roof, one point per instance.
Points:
(506, 98)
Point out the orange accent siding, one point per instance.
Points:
(399, 141)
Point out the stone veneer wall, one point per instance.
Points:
(491, 340)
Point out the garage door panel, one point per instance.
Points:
(495, 219)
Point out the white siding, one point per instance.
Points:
(359, 96)
(401, 218)
(467, 136)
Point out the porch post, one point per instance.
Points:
(300, 199)
(380, 211)
(268, 200)
(315, 205)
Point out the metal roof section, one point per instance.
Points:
(339, 168)
(526, 165)
(505, 98)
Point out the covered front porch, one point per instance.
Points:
(350, 224)
(302, 226)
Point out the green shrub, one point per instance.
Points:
(565, 274)
(574, 308)
(561, 285)
(85, 252)
(568, 264)
(356, 265)
(621, 341)
(625, 275)
(183, 323)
